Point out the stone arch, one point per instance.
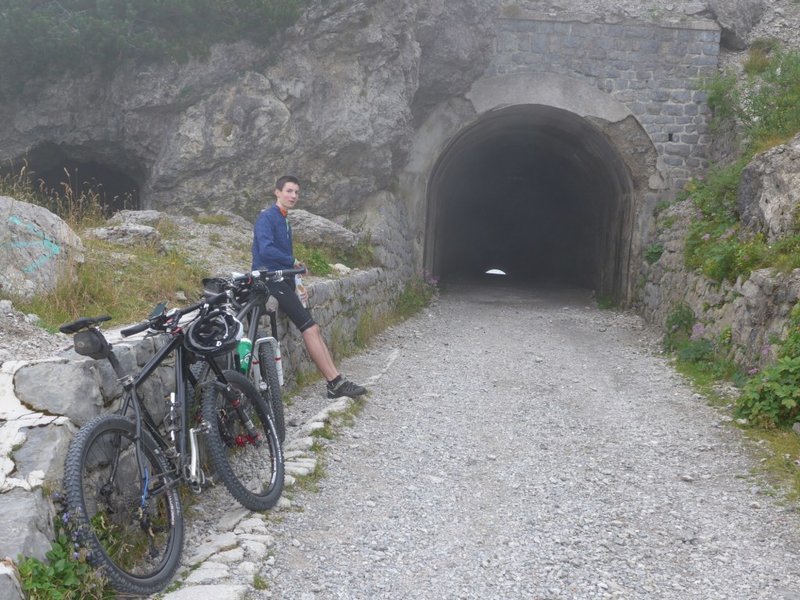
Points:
(543, 176)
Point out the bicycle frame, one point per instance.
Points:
(181, 451)
(251, 313)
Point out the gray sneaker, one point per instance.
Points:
(346, 388)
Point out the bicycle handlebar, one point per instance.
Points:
(277, 275)
(159, 320)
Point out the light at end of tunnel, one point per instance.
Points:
(495, 272)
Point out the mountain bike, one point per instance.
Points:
(249, 295)
(123, 471)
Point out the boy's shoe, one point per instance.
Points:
(345, 388)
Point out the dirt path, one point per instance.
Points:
(524, 444)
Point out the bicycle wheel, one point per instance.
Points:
(135, 541)
(271, 387)
(242, 442)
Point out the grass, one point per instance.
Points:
(126, 287)
(767, 106)
(319, 259)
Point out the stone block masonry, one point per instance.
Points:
(38, 421)
(340, 307)
(657, 71)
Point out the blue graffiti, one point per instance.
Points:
(48, 246)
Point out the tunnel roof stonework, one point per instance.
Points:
(655, 70)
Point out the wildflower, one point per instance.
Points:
(698, 329)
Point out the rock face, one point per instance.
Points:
(769, 194)
(755, 310)
(337, 100)
(737, 18)
(37, 248)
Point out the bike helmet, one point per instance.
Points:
(215, 333)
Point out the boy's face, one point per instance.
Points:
(287, 197)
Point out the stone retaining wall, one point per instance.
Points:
(42, 402)
(340, 307)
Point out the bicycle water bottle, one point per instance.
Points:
(245, 352)
(301, 290)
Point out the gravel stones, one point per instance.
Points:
(522, 444)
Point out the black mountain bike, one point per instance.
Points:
(123, 471)
(249, 295)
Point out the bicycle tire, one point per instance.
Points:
(271, 387)
(137, 555)
(248, 460)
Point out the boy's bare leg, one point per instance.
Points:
(319, 353)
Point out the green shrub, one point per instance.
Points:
(723, 99)
(772, 397)
(773, 109)
(653, 253)
(415, 296)
(699, 350)
(679, 327)
(213, 220)
(66, 574)
(315, 259)
(790, 347)
(770, 116)
(759, 55)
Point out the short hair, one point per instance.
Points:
(282, 181)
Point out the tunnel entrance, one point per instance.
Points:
(535, 191)
(76, 171)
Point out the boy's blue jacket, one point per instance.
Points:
(272, 241)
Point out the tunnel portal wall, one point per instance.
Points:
(639, 84)
(656, 71)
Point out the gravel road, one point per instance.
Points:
(522, 444)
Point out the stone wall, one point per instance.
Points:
(340, 307)
(750, 314)
(653, 69)
(42, 403)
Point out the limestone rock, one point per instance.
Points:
(737, 18)
(769, 193)
(26, 524)
(44, 449)
(308, 228)
(127, 235)
(37, 246)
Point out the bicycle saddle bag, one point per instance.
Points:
(91, 343)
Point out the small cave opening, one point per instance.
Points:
(76, 173)
(535, 192)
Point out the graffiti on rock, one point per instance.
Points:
(34, 243)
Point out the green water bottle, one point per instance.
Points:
(245, 352)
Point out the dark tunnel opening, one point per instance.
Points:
(536, 192)
(80, 174)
